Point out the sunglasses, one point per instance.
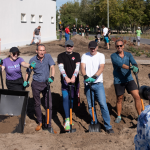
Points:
(69, 46)
(15, 54)
(119, 45)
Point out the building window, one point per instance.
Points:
(23, 18)
(52, 20)
(40, 19)
(32, 18)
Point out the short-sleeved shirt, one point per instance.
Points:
(98, 31)
(74, 29)
(13, 68)
(142, 139)
(138, 32)
(93, 63)
(105, 31)
(37, 31)
(69, 62)
(42, 69)
(86, 29)
(60, 30)
(81, 29)
(67, 30)
(122, 75)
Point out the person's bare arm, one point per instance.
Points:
(3, 68)
(40, 33)
(83, 65)
(53, 70)
(33, 34)
(125, 66)
(24, 64)
(100, 70)
(26, 76)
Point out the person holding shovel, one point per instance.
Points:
(123, 78)
(69, 64)
(74, 30)
(12, 66)
(87, 29)
(44, 63)
(92, 66)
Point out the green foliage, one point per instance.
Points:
(148, 54)
(123, 14)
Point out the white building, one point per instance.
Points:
(19, 18)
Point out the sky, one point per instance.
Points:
(60, 2)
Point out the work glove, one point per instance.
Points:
(87, 79)
(33, 64)
(26, 84)
(135, 69)
(1, 61)
(51, 79)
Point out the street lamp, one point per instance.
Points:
(108, 13)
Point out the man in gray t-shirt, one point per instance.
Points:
(37, 35)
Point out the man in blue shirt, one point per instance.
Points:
(44, 63)
(123, 79)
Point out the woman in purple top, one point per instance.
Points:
(12, 66)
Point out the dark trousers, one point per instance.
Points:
(60, 36)
(37, 88)
(15, 85)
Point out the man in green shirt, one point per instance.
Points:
(138, 32)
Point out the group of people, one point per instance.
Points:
(74, 31)
(92, 66)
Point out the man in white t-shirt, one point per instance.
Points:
(105, 34)
(92, 66)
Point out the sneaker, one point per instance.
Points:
(67, 124)
(118, 119)
(110, 131)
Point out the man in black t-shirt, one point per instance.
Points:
(81, 29)
(69, 64)
(74, 30)
(60, 32)
(98, 33)
(87, 31)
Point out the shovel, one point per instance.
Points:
(136, 75)
(71, 130)
(93, 127)
(1, 76)
(48, 88)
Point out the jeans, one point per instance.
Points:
(67, 36)
(99, 92)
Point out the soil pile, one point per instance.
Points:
(8, 124)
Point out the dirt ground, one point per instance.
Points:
(123, 138)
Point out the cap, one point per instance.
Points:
(14, 49)
(138, 27)
(92, 44)
(69, 42)
(68, 25)
(97, 26)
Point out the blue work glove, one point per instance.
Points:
(33, 64)
(1, 61)
(51, 79)
(135, 69)
(26, 84)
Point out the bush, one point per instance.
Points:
(148, 54)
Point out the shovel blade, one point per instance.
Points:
(94, 128)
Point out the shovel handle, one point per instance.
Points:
(142, 104)
(93, 114)
(136, 75)
(47, 116)
(70, 116)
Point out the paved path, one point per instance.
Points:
(143, 41)
(27, 58)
